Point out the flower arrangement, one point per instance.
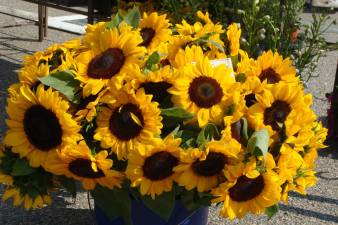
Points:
(143, 110)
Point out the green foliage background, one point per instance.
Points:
(266, 24)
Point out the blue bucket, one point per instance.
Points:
(141, 215)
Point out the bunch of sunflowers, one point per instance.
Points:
(140, 109)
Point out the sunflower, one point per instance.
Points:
(200, 28)
(315, 143)
(132, 120)
(272, 68)
(203, 90)
(155, 29)
(278, 106)
(176, 43)
(55, 58)
(78, 162)
(154, 83)
(113, 53)
(39, 124)
(205, 18)
(204, 169)
(319, 137)
(92, 36)
(30, 75)
(232, 128)
(196, 35)
(235, 110)
(6, 179)
(185, 29)
(246, 65)
(25, 199)
(87, 109)
(250, 88)
(248, 194)
(234, 35)
(152, 167)
(289, 162)
(305, 178)
(187, 56)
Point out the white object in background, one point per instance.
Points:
(227, 62)
(325, 3)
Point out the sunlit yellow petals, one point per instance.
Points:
(203, 91)
(152, 168)
(154, 30)
(45, 111)
(234, 35)
(124, 139)
(77, 162)
(219, 155)
(238, 199)
(118, 49)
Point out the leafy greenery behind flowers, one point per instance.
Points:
(266, 24)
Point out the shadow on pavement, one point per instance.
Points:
(331, 151)
(7, 77)
(58, 213)
(309, 213)
(315, 198)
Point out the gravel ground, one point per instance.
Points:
(320, 206)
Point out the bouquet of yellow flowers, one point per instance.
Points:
(143, 110)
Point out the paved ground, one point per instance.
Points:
(18, 38)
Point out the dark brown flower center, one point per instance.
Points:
(147, 35)
(236, 130)
(106, 65)
(157, 89)
(270, 75)
(83, 168)
(122, 124)
(276, 114)
(42, 128)
(212, 165)
(164, 62)
(250, 100)
(205, 92)
(159, 166)
(246, 188)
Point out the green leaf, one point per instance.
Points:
(176, 132)
(190, 143)
(271, 211)
(241, 77)
(65, 83)
(177, 113)
(234, 60)
(115, 203)
(69, 185)
(133, 17)
(153, 60)
(21, 167)
(162, 205)
(258, 143)
(186, 134)
(193, 200)
(33, 192)
(214, 43)
(209, 132)
(115, 21)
